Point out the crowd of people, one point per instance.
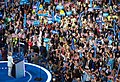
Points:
(77, 40)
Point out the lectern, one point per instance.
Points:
(18, 69)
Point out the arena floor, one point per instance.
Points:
(31, 72)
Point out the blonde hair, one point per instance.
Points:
(10, 53)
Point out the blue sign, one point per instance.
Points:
(36, 23)
(22, 2)
(1, 15)
(24, 24)
(91, 3)
(50, 20)
(69, 13)
(105, 14)
(58, 19)
(97, 7)
(52, 13)
(47, 1)
(46, 39)
(45, 14)
(54, 32)
(40, 8)
(63, 14)
(59, 7)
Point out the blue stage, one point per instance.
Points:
(32, 71)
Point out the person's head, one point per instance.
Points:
(3, 48)
(9, 53)
(78, 79)
(111, 55)
(32, 50)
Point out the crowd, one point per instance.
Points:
(77, 40)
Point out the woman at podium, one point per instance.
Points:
(10, 63)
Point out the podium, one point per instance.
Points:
(18, 69)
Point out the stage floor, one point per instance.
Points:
(32, 71)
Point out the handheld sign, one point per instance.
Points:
(36, 23)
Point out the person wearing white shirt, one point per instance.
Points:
(10, 63)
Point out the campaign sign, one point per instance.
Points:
(47, 1)
(54, 32)
(22, 2)
(105, 14)
(59, 7)
(69, 13)
(58, 19)
(36, 23)
(97, 7)
(46, 39)
(1, 15)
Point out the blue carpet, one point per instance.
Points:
(33, 71)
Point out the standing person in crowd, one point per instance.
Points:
(84, 37)
(10, 63)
